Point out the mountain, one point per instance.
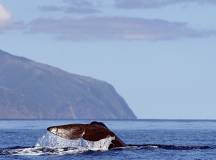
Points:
(31, 90)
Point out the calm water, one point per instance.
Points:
(190, 140)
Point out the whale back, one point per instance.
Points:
(69, 131)
(98, 123)
(94, 131)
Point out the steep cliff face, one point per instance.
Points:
(31, 90)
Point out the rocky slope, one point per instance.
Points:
(31, 90)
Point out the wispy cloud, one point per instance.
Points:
(114, 28)
(138, 4)
(4, 15)
(74, 6)
(108, 27)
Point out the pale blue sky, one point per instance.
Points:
(159, 55)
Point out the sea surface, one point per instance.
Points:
(150, 139)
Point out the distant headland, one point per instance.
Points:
(32, 90)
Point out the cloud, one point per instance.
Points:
(139, 4)
(97, 27)
(114, 28)
(74, 6)
(4, 15)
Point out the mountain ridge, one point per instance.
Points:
(33, 90)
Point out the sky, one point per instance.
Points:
(158, 54)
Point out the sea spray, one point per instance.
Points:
(50, 144)
(101, 145)
(49, 140)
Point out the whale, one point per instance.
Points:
(93, 131)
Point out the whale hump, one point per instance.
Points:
(94, 131)
(69, 131)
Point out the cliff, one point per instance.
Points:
(31, 90)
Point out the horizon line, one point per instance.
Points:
(138, 119)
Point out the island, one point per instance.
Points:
(32, 90)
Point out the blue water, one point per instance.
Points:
(190, 140)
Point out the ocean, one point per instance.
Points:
(151, 139)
